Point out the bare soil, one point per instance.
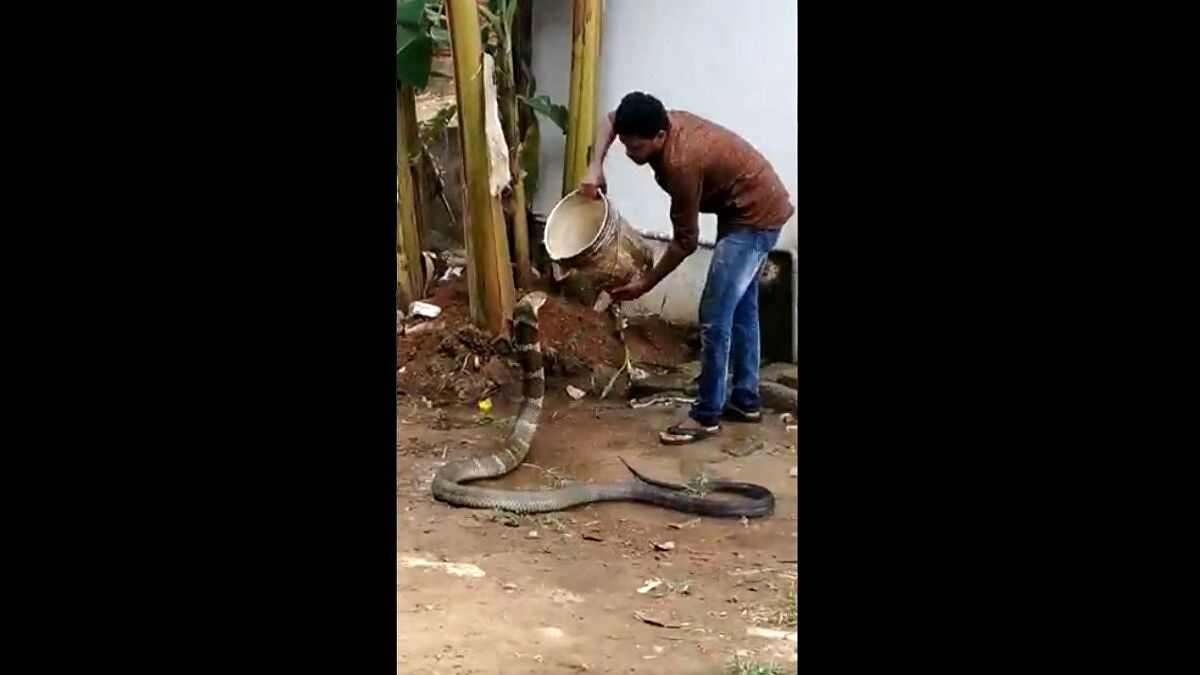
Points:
(447, 359)
(559, 593)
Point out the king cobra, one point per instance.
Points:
(448, 481)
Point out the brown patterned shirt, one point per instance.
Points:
(707, 168)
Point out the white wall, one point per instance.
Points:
(733, 63)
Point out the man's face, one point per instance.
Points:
(642, 150)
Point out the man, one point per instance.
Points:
(706, 168)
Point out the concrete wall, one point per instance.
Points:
(733, 63)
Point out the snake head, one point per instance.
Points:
(533, 300)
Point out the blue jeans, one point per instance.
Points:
(729, 324)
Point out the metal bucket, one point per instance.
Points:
(589, 238)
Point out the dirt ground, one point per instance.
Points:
(486, 592)
(448, 360)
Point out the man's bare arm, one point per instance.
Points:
(604, 141)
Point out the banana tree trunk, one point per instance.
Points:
(520, 224)
(512, 130)
(581, 108)
(489, 273)
(522, 56)
(410, 278)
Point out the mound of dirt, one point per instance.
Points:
(449, 359)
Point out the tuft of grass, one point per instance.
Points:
(554, 522)
(780, 613)
(698, 486)
(505, 517)
(739, 666)
(783, 611)
(684, 587)
(552, 477)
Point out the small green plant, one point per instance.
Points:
(784, 612)
(789, 610)
(507, 518)
(551, 477)
(431, 129)
(552, 480)
(739, 666)
(780, 613)
(681, 587)
(554, 522)
(698, 486)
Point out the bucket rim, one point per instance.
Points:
(550, 219)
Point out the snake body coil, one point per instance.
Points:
(448, 482)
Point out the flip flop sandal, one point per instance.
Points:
(683, 435)
(736, 414)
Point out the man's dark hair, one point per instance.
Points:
(640, 115)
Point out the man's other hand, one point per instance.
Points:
(633, 290)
